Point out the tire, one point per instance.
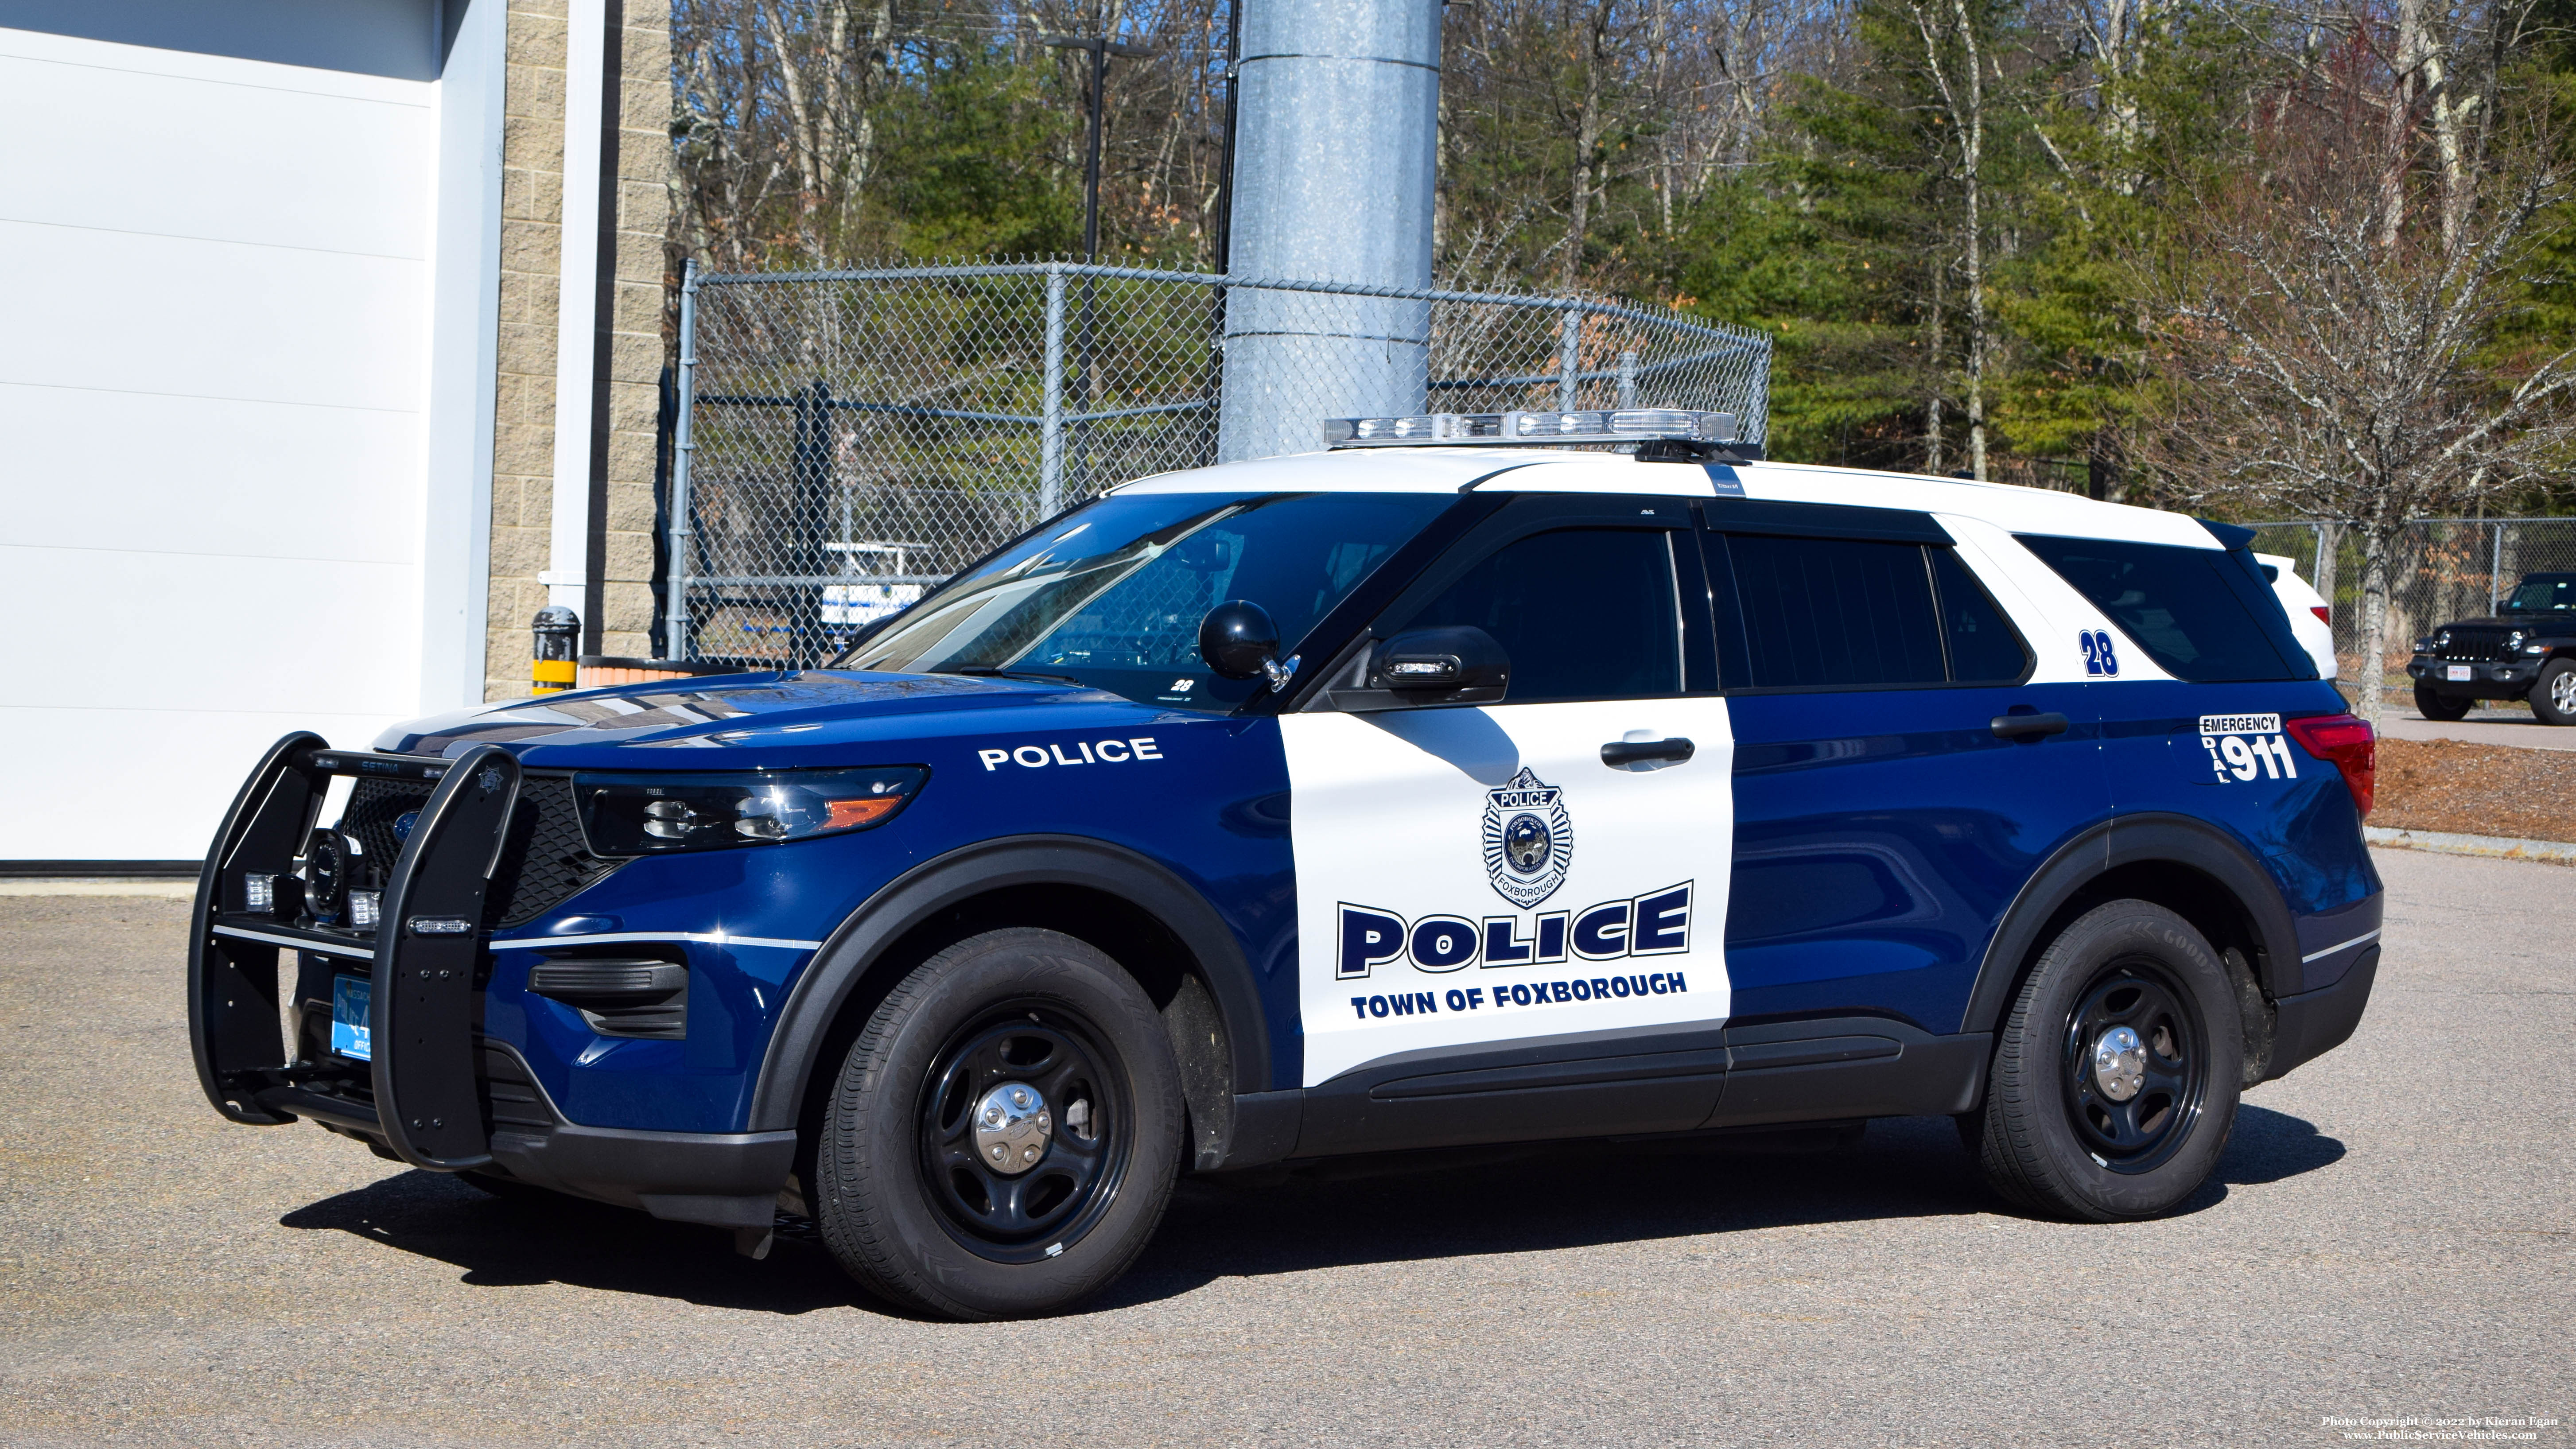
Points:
(2553, 694)
(2435, 706)
(909, 1204)
(2053, 1137)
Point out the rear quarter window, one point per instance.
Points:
(2203, 614)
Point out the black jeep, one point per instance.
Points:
(2526, 651)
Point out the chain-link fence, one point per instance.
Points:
(2447, 569)
(846, 439)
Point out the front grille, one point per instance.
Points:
(2469, 646)
(543, 862)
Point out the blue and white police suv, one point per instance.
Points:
(1434, 789)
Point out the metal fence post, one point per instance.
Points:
(1628, 378)
(1569, 359)
(1051, 407)
(676, 641)
(2495, 569)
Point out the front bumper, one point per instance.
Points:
(438, 1093)
(2488, 678)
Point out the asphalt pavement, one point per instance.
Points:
(2391, 1235)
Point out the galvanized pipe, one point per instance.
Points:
(1051, 407)
(1334, 176)
(675, 641)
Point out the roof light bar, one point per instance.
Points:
(1523, 430)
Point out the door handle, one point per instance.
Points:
(2030, 728)
(1620, 754)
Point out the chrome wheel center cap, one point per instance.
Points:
(1013, 1127)
(2119, 1064)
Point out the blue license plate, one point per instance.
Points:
(350, 1035)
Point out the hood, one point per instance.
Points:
(799, 714)
(2552, 622)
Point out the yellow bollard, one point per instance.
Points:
(558, 632)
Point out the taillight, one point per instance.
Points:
(2322, 612)
(2345, 743)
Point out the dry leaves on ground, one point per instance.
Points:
(2476, 789)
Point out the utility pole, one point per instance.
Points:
(1335, 169)
(1100, 47)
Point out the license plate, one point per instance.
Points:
(350, 1036)
(2455, 671)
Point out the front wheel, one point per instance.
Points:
(1004, 1134)
(2553, 694)
(2432, 705)
(2115, 1080)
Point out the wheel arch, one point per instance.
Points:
(2182, 864)
(1153, 923)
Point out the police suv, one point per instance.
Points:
(1434, 789)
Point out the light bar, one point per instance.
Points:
(1522, 430)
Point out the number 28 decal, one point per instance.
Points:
(2099, 655)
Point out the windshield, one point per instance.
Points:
(1111, 594)
(2543, 593)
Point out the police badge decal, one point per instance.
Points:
(1529, 839)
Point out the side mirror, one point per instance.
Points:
(1458, 665)
(1239, 640)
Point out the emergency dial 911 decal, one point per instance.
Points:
(1403, 821)
(2246, 747)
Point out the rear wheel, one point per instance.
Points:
(2115, 1081)
(2437, 706)
(1004, 1135)
(2553, 694)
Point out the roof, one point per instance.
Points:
(2006, 506)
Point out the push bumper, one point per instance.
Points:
(436, 1094)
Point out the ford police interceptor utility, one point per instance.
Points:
(1376, 799)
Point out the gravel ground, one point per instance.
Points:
(2392, 1233)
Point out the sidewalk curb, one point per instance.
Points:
(2551, 852)
(183, 890)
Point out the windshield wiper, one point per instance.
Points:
(987, 671)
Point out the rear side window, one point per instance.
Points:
(1823, 613)
(1584, 613)
(1829, 613)
(2204, 614)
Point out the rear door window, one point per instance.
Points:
(1833, 613)
(2203, 614)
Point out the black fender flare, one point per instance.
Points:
(857, 946)
(2134, 840)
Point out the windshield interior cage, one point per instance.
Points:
(847, 439)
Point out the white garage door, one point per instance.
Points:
(213, 382)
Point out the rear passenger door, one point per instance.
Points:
(1882, 826)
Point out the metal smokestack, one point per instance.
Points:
(1337, 103)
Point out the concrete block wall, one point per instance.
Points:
(531, 241)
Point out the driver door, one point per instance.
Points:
(1502, 934)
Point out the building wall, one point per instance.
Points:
(214, 396)
(523, 440)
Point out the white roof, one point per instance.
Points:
(2006, 506)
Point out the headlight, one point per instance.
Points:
(654, 814)
(2514, 639)
(2442, 640)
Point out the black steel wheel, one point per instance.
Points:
(1024, 1135)
(2432, 704)
(2132, 1066)
(1002, 1139)
(2115, 1078)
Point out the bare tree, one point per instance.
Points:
(2334, 326)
